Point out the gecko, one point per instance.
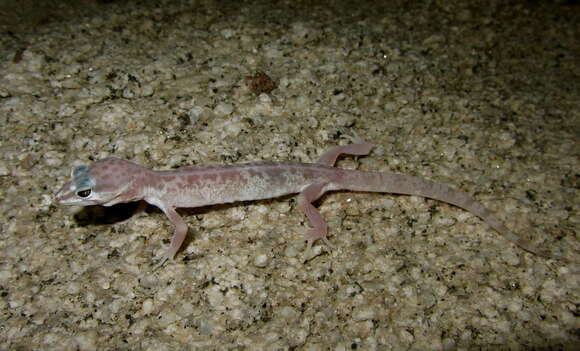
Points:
(112, 180)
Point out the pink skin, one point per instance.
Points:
(111, 181)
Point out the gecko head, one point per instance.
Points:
(105, 182)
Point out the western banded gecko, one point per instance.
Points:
(112, 180)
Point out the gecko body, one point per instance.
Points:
(112, 180)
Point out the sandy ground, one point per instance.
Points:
(483, 96)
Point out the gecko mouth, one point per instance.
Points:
(61, 196)
(57, 197)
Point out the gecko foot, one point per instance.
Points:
(312, 251)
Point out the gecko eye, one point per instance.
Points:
(84, 193)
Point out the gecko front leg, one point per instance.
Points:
(179, 234)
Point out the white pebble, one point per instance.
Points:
(261, 260)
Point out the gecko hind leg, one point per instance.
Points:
(359, 147)
(319, 228)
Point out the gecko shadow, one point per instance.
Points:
(101, 215)
(106, 215)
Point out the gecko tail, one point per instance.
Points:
(409, 185)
